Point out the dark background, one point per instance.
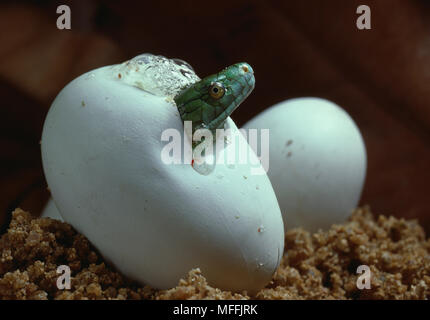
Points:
(297, 48)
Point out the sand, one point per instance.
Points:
(314, 266)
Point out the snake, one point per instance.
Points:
(209, 102)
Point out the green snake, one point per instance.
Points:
(210, 101)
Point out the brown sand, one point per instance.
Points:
(315, 266)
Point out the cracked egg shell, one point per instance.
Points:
(101, 147)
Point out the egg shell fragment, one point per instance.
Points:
(101, 148)
(317, 162)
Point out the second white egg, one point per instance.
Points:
(317, 162)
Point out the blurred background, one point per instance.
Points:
(381, 77)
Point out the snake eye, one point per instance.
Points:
(216, 90)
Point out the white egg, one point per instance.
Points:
(50, 211)
(317, 162)
(101, 152)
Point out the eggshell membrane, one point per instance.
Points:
(101, 148)
(317, 162)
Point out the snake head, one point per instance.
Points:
(208, 102)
